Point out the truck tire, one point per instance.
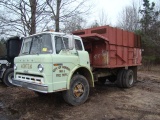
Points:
(78, 92)
(129, 79)
(8, 76)
(119, 80)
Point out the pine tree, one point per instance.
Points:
(149, 16)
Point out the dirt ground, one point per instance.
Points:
(107, 102)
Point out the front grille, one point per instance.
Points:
(29, 78)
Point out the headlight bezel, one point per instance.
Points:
(40, 67)
(15, 66)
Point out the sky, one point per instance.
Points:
(112, 8)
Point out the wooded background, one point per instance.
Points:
(27, 17)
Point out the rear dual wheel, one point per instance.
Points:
(129, 79)
(119, 81)
(125, 78)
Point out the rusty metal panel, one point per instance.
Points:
(139, 41)
(125, 38)
(112, 58)
(135, 54)
(99, 54)
(139, 56)
(111, 47)
(130, 56)
(119, 55)
(131, 39)
(112, 55)
(101, 31)
(119, 36)
(112, 35)
(125, 55)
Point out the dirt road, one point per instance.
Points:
(107, 102)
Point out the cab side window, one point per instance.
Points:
(78, 45)
(61, 43)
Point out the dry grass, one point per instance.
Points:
(150, 70)
(155, 68)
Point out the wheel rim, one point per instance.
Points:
(10, 77)
(130, 79)
(78, 90)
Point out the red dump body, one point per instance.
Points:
(110, 47)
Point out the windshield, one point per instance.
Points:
(40, 44)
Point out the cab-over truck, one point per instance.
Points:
(51, 61)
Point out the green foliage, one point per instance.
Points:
(157, 60)
(149, 16)
(150, 26)
(138, 32)
(148, 61)
(149, 58)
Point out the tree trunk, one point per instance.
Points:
(33, 5)
(57, 15)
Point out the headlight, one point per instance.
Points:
(15, 67)
(40, 68)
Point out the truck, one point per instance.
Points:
(71, 63)
(8, 51)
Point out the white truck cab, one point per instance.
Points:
(51, 62)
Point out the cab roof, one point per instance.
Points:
(54, 33)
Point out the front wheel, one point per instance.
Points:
(8, 77)
(78, 92)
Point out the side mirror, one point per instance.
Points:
(71, 42)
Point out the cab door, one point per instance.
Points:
(63, 62)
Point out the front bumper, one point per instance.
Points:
(31, 86)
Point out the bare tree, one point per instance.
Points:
(74, 23)
(157, 7)
(21, 16)
(129, 18)
(33, 5)
(94, 24)
(103, 18)
(61, 10)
